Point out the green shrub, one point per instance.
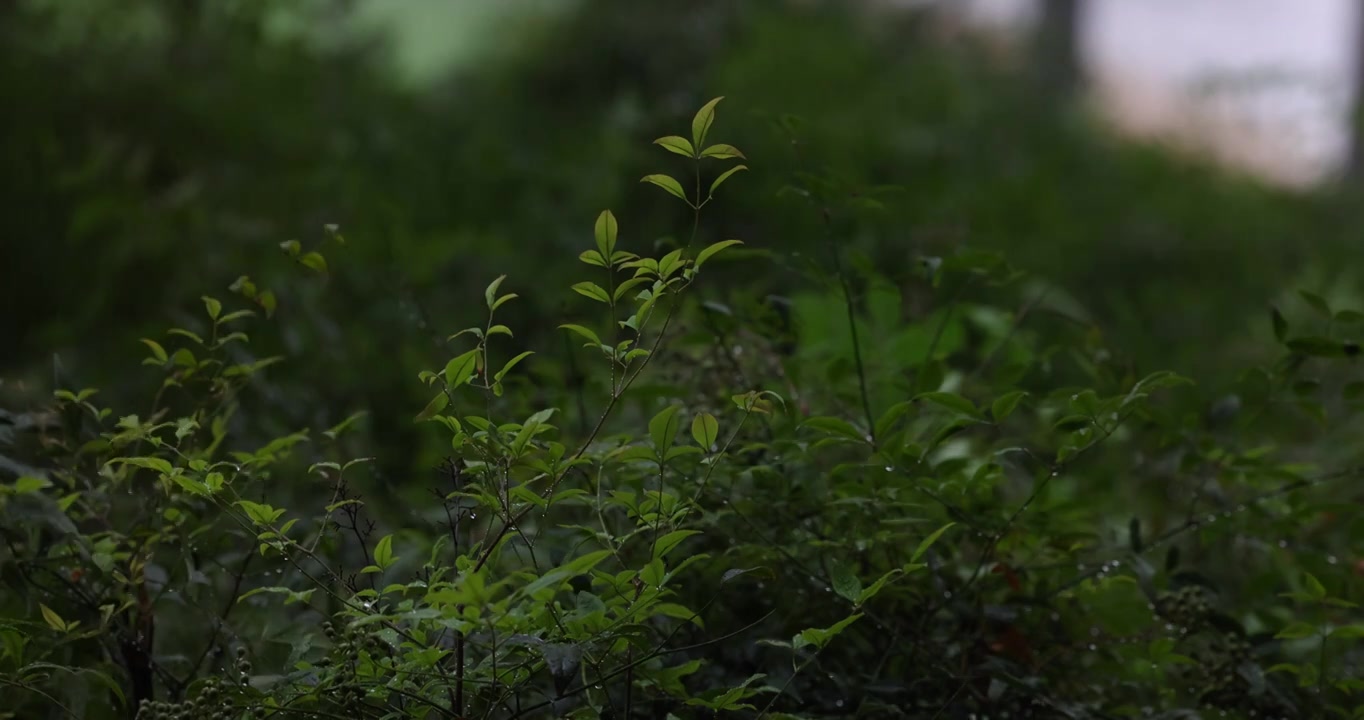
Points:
(935, 496)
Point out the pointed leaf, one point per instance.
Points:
(701, 122)
(592, 290)
(490, 293)
(1004, 405)
(709, 252)
(928, 542)
(677, 144)
(722, 152)
(663, 427)
(667, 183)
(584, 332)
(511, 364)
(606, 230)
(461, 368)
(725, 176)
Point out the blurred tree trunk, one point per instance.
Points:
(1355, 168)
(1057, 47)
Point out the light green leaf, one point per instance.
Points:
(490, 292)
(722, 152)
(677, 144)
(606, 230)
(704, 429)
(928, 542)
(592, 290)
(52, 619)
(213, 307)
(725, 176)
(461, 368)
(701, 122)
(663, 427)
(314, 261)
(511, 364)
(709, 252)
(584, 332)
(667, 183)
(434, 407)
(593, 257)
(665, 544)
(383, 552)
(158, 352)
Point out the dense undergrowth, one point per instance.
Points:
(935, 495)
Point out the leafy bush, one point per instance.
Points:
(934, 496)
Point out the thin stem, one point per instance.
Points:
(837, 253)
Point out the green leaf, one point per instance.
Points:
(1316, 346)
(846, 583)
(722, 152)
(706, 254)
(260, 514)
(383, 552)
(677, 144)
(511, 364)
(499, 330)
(876, 587)
(593, 257)
(928, 542)
(701, 122)
(836, 426)
(704, 429)
(461, 368)
(158, 352)
(1004, 405)
(213, 307)
(626, 286)
(434, 407)
(592, 290)
(291, 247)
(29, 484)
(52, 619)
(1317, 302)
(821, 637)
(665, 544)
(490, 292)
(267, 302)
(953, 402)
(663, 428)
(606, 230)
(1280, 325)
(504, 300)
(1349, 632)
(673, 187)
(1296, 631)
(150, 463)
(314, 261)
(1314, 586)
(584, 332)
(725, 176)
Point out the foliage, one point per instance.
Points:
(930, 496)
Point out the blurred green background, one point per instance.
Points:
(156, 150)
